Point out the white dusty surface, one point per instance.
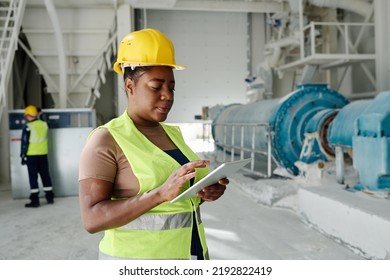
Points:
(359, 220)
(237, 227)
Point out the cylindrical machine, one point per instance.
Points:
(318, 127)
(286, 119)
(362, 129)
(343, 127)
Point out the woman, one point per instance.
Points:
(134, 165)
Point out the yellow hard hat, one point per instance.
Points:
(146, 47)
(31, 110)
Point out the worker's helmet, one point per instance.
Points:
(146, 47)
(31, 110)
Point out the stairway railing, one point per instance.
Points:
(11, 16)
(104, 64)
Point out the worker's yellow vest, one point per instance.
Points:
(165, 231)
(38, 144)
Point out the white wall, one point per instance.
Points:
(257, 41)
(382, 44)
(213, 45)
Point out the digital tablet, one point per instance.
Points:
(222, 171)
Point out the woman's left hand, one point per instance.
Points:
(213, 192)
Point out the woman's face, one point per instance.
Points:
(150, 96)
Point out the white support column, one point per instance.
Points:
(125, 25)
(382, 44)
(63, 91)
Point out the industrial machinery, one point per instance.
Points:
(285, 120)
(312, 124)
(363, 128)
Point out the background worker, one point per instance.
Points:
(131, 167)
(34, 151)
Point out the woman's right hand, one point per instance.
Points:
(172, 186)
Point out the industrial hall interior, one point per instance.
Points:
(299, 87)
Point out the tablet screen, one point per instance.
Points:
(222, 171)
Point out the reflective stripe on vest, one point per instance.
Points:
(106, 257)
(162, 221)
(165, 231)
(38, 144)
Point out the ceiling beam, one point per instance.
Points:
(216, 6)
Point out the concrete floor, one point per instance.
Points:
(52, 232)
(236, 227)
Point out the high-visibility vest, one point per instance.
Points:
(165, 231)
(38, 144)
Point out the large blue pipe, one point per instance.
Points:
(287, 119)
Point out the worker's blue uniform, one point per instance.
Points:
(34, 150)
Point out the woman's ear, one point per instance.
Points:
(129, 86)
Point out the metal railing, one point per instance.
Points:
(344, 30)
(104, 63)
(236, 147)
(314, 49)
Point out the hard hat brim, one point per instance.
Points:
(118, 66)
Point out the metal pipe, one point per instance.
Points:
(360, 7)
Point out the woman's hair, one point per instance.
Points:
(133, 73)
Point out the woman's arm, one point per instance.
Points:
(99, 212)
